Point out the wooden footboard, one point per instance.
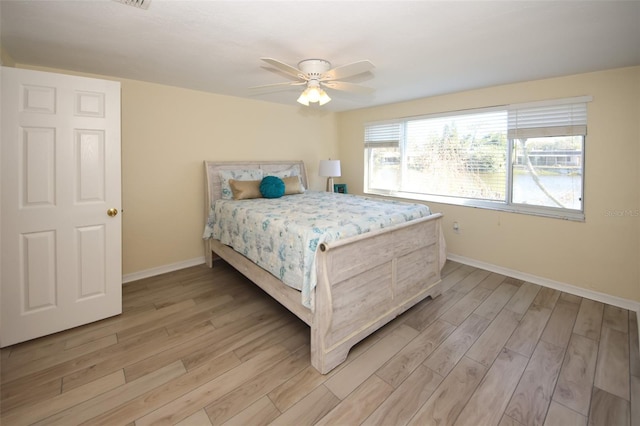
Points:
(363, 283)
(366, 281)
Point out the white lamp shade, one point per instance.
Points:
(303, 99)
(313, 93)
(324, 98)
(329, 168)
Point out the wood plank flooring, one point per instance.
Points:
(207, 347)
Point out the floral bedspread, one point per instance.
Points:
(281, 235)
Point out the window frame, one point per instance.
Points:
(507, 205)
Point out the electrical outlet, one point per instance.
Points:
(456, 227)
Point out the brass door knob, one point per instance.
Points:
(112, 212)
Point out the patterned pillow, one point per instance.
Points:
(291, 171)
(225, 175)
(282, 174)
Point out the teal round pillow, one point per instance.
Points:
(272, 187)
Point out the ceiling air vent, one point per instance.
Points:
(142, 4)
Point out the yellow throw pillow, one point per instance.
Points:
(245, 189)
(292, 185)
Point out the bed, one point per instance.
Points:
(360, 282)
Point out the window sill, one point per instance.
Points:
(549, 212)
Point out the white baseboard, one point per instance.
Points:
(162, 270)
(545, 282)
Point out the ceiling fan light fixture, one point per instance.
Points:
(324, 98)
(313, 93)
(303, 99)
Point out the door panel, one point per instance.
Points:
(37, 160)
(90, 160)
(61, 252)
(38, 279)
(90, 246)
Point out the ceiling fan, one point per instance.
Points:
(316, 74)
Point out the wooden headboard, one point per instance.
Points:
(212, 177)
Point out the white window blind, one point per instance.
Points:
(565, 117)
(381, 135)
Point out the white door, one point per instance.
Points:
(61, 201)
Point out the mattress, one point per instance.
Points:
(282, 235)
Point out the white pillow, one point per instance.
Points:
(225, 175)
(291, 171)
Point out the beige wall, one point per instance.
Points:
(600, 254)
(167, 132)
(5, 59)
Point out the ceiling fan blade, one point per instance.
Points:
(273, 85)
(348, 87)
(286, 68)
(348, 70)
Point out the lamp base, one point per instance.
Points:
(330, 184)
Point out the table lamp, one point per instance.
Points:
(329, 169)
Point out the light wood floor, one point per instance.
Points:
(200, 347)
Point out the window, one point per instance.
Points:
(525, 158)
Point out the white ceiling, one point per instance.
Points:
(419, 48)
